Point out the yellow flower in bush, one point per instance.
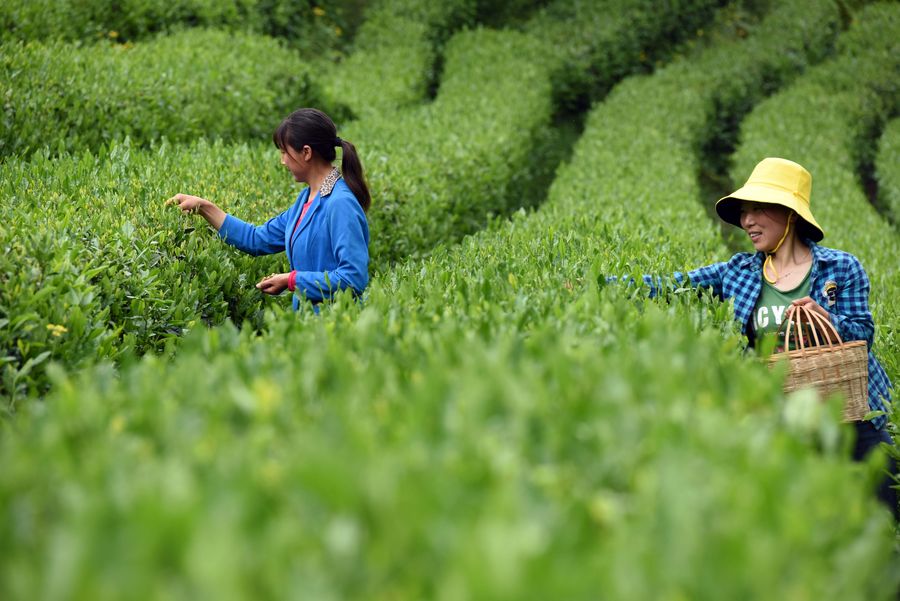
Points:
(57, 330)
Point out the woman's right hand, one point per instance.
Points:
(187, 203)
(194, 204)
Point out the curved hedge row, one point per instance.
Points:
(491, 423)
(311, 26)
(827, 121)
(200, 83)
(443, 169)
(395, 54)
(440, 170)
(589, 64)
(887, 169)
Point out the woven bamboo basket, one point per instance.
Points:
(830, 365)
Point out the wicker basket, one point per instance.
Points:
(830, 366)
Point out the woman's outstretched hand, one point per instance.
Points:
(194, 204)
(274, 284)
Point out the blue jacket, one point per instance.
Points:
(837, 282)
(329, 251)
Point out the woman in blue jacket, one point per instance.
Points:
(325, 233)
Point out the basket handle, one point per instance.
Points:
(817, 324)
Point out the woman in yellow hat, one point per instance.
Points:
(788, 269)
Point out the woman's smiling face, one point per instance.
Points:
(764, 223)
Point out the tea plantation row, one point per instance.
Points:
(492, 422)
(132, 276)
(396, 52)
(195, 84)
(888, 169)
(311, 27)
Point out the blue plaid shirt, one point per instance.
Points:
(847, 302)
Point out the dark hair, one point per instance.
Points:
(313, 128)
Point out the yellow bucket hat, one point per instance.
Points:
(775, 181)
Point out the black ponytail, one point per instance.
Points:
(313, 128)
(352, 171)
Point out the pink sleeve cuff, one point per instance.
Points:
(292, 281)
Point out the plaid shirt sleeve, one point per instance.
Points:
(710, 276)
(850, 314)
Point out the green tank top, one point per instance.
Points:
(771, 308)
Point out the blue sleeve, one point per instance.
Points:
(850, 314)
(266, 239)
(349, 233)
(709, 276)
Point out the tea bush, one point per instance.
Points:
(196, 84)
(88, 245)
(516, 466)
